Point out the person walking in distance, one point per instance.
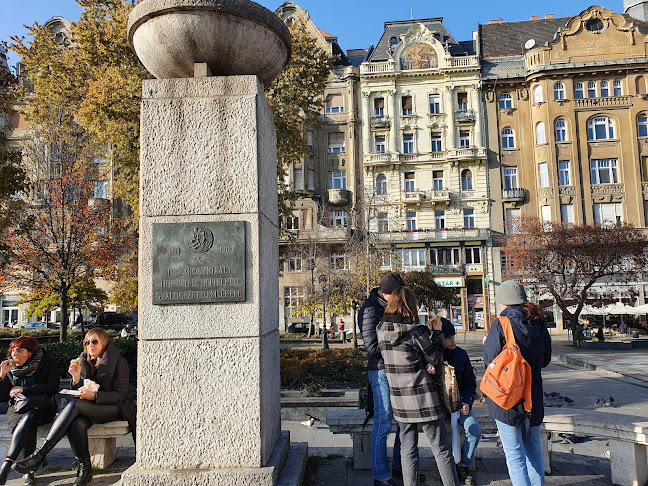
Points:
(369, 317)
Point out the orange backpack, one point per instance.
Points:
(507, 379)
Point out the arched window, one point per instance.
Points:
(605, 88)
(640, 83)
(540, 133)
(600, 128)
(578, 90)
(537, 94)
(505, 101)
(508, 138)
(381, 184)
(642, 125)
(393, 41)
(591, 89)
(466, 180)
(561, 130)
(559, 91)
(616, 84)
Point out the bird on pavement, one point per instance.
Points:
(310, 421)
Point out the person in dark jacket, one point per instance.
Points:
(102, 362)
(520, 433)
(410, 356)
(369, 317)
(459, 360)
(31, 372)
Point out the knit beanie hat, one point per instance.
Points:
(510, 292)
(390, 282)
(448, 328)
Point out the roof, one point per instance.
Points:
(503, 67)
(399, 27)
(357, 56)
(508, 38)
(326, 35)
(342, 60)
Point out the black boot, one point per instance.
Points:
(33, 462)
(28, 479)
(4, 470)
(84, 475)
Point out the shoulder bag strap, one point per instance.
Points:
(508, 329)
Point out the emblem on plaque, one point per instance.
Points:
(199, 240)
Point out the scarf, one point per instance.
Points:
(24, 375)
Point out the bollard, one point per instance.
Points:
(325, 344)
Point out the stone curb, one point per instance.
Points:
(588, 365)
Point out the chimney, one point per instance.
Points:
(549, 16)
(535, 17)
(496, 21)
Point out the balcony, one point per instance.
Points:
(513, 195)
(448, 234)
(439, 195)
(446, 269)
(380, 122)
(598, 102)
(339, 197)
(414, 197)
(380, 158)
(377, 67)
(467, 153)
(467, 61)
(465, 116)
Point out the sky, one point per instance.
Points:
(356, 23)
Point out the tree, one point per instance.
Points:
(426, 290)
(575, 264)
(13, 183)
(86, 294)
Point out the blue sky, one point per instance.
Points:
(357, 23)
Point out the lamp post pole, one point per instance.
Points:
(323, 280)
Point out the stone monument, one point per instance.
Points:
(208, 372)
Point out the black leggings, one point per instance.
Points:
(75, 420)
(24, 428)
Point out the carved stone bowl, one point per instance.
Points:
(233, 37)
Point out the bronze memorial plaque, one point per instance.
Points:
(198, 263)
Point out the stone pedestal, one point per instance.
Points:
(208, 373)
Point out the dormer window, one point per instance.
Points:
(594, 25)
(393, 41)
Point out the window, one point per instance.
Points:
(510, 178)
(640, 84)
(436, 142)
(543, 174)
(473, 255)
(445, 256)
(412, 257)
(601, 128)
(393, 41)
(594, 25)
(439, 218)
(513, 220)
(604, 171)
(100, 190)
(469, 218)
(380, 144)
(642, 123)
(379, 106)
(561, 130)
(293, 297)
(435, 103)
(292, 222)
(564, 175)
(616, 84)
(537, 94)
(309, 140)
(336, 143)
(505, 101)
(311, 180)
(383, 225)
(578, 90)
(406, 102)
(334, 103)
(559, 91)
(605, 88)
(591, 89)
(464, 138)
(466, 180)
(546, 217)
(339, 261)
(408, 143)
(337, 179)
(293, 263)
(381, 184)
(540, 133)
(508, 139)
(298, 180)
(567, 213)
(608, 213)
(409, 182)
(437, 180)
(339, 219)
(410, 220)
(462, 101)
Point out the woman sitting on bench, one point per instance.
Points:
(101, 362)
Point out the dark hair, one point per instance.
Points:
(403, 303)
(25, 342)
(532, 310)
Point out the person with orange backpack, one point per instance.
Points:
(517, 348)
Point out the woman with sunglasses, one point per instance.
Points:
(102, 362)
(29, 371)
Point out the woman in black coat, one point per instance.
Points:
(28, 372)
(101, 362)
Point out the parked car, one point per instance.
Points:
(35, 325)
(112, 320)
(301, 327)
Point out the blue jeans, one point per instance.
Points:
(382, 424)
(523, 454)
(472, 430)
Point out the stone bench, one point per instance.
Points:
(102, 440)
(628, 437)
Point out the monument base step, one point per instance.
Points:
(294, 469)
(262, 476)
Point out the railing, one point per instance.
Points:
(607, 189)
(339, 197)
(467, 152)
(414, 196)
(465, 116)
(468, 61)
(450, 234)
(380, 122)
(606, 101)
(515, 194)
(446, 269)
(439, 195)
(376, 67)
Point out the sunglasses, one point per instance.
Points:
(91, 341)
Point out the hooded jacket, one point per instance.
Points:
(534, 342)
(369, 317)
(407, 348)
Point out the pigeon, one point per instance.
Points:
(568, 400)
(611, 399)
(310, 421)
(552, 394)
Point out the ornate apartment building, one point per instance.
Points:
(567, 121)
(424, 160)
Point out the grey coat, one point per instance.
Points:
(407, 348)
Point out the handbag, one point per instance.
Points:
(23, 404)
(445, 378)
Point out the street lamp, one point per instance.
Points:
(323, 280)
